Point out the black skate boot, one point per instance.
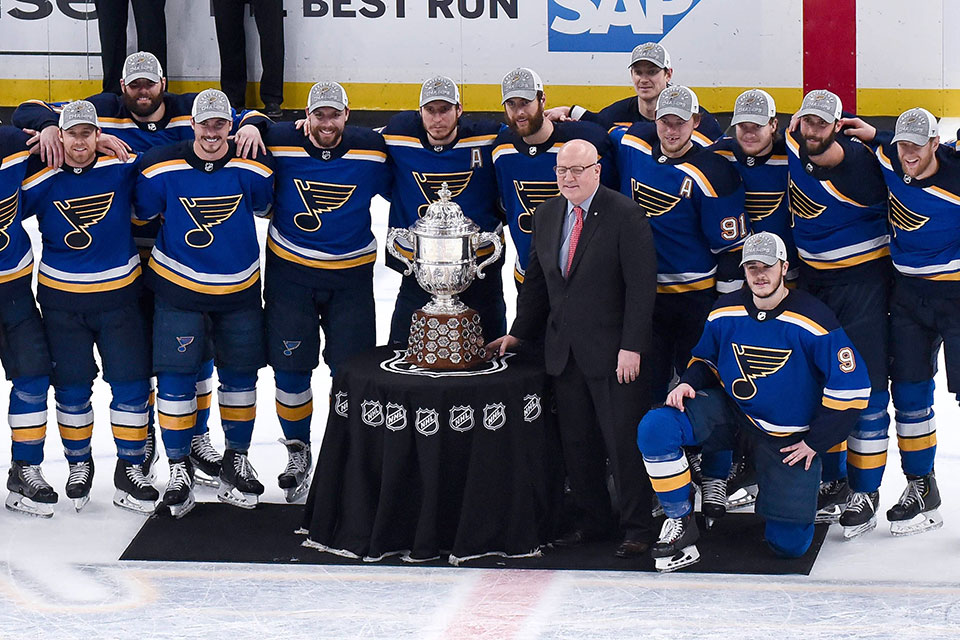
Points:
(30, 493)
(714, 499)
(742, 485)
(148, 466)
(860, 514)
(295, 479)
(833, 495)
(206, 461)
(677, 546)
(134, 492)
(238, 481)
(178, 496)
(917, 510)
(79, 481)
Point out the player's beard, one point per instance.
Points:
(774, 291)
(816, 148)
(142, 111)
(533, 125)
(326, 140)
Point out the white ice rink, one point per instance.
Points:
(60, 578)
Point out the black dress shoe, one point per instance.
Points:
(631, 549)
(272, 110)
(572, 538)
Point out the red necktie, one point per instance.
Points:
(574, 237)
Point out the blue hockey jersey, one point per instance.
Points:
(207, 256)
(626, 112)
(16, 252)
(695, 204)
(791, 369)
(89, 261)
(525, 176)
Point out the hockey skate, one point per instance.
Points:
(134, 492)
(830, 500)
(238, 481)
(860, 514)
(714, 500)
(148, 466)
(917, 510)
(30, 493)
(295, 479)
(178, 496)
(206, 461)
(79, 481)
(676, 547)
(741, 486)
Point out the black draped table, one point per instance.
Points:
(422, 463)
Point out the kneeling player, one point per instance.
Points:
(792, 384)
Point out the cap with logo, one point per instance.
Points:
(78, 112)
(763, 247)
(439, 88)
(756, 106)
(142, 64)
(521, 83)
(822, 103)
(651, 52)
(211, 103)
(679, 101)
(915, 125)
(327, 94)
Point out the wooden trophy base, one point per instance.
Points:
(445, 342)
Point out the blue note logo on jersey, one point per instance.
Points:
(755, 362)
(289, 346)
(431, 183)
(611, 25)
(760, 204)
(903, 218)
(532, 194)
(319, 198)
(183, 342)
(802, 205)
(8, 211)
(653, 201)
(83, 213)
(207, 213)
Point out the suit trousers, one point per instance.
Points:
(228, 17)
(597, 419)
(151, 35)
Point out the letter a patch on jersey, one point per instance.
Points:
(755, 362)
(83, 213)
(207, 213)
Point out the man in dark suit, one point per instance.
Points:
(589, 292)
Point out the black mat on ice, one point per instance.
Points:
(215, 532)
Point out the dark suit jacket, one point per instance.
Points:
(606, 302)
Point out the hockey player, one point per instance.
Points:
(650, 73)
(319, 259)
(23, 346)
(838, 202)
(695, 201)
(426, 148)
(525, 155)
(205, 274)
(87, 287)
(923, 177)
(791, 382)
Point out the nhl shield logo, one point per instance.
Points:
(326, 155)
(208, 167)
(341, 403)
(184, 342)
(531, 407)
(461, 418)
(152, 126)
(371, 412)
(494, 416)
(396, 418)
(428, 421)
(532, 151)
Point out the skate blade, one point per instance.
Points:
(80, 503)
(202, 479)
(177, 511)
(741, 499)
(683, 558)
(928, 521)
(828, 515)
(710, 521)
(125, 501)
(26, 506)
(849, 533)
(230, 495)
(295, 493)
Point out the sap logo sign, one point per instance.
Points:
(611, 25)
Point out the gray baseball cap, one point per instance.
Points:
(521, 83)
(679, 101)
(915, 125)
(211, 103)
(439, 88)
(142, 64)
(822, 103)
(756, 106)
(763, 247)
(78, 112)
(327, 94)
(651, 52)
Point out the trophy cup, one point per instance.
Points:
(445, 334)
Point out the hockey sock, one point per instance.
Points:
(204, 394)
(294, 404)
(834, 463)
(916, 427)
(788, 539)
(177, 411)
(661, 435)
(75, 418)
(237, 396)
(128, 418)
(151, 407)
(28, 417)
(867, 444)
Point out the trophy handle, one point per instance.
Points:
(486, 236)
(392, 235)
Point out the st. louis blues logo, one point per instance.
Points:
(431, 183)
(760, 204)
(531, 407)
(903, 218)
(184, 342)
(319, 198)
(428, 421)
(8, 211)
(494, 416)
(396, 417)
(802, 205)
(83, 213)
(461, 418)
(532, 194)
(371, 412)
(653, 201)
(207, 213)
(755, 362)
(289, 346)
(341, 403)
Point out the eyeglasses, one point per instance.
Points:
(575, 171)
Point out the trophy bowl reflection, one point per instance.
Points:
(444, 334)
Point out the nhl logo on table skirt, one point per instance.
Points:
(341, 404)
(461, 418)
(428, 421)
(494, 416)
(396, 418)
(531, 407)
(371, 412)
